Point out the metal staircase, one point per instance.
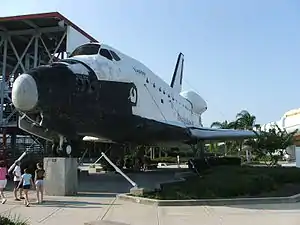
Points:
(22, 143)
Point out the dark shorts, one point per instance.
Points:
(16, 183)
(26, 187)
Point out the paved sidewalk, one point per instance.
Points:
(99, 203)
(58, 210)
(78, 210)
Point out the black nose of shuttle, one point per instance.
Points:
(52, 86)
(24, 93)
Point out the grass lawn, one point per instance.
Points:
(234, 181)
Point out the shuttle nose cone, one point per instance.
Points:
(24, 93)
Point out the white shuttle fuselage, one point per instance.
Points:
(101, 94)
(156, 100)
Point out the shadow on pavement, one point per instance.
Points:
(72, 204)
(113, 183)
(96, 194)
(275, 207)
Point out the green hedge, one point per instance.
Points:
(229, 181)
(201, 164)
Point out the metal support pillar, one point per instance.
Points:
(27, 61)
(3, 83)
(200, 149)
(36, 50)
(13, 141)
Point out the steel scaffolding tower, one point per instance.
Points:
(28, 41)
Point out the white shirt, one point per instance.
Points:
(17, 171)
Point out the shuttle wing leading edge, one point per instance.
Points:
(219, 134)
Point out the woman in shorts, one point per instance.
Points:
(39, 182)
(26, 180)
(3, 180)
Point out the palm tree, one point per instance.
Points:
(245, 121)
(225, 125)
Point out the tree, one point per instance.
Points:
(213, 147)
(245, 121)
(225, 125)
(272, 142)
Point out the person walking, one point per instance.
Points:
(3, 180)
(26, 182)
(17, 177)
(39, 182)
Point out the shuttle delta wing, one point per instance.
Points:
(203, 133)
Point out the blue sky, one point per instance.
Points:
(238, 54)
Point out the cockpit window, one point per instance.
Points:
(105, 53)
(115, 56)
(87, 49)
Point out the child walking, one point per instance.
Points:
(26, 181)
(3, 180)
(39, 182)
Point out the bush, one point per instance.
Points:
(280, 175)
(229, 181)
(168, 159)
(12, 221)
(129, 162)
(202, 164)
(152, 167)
(106, 166)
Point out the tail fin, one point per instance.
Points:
(176, 82)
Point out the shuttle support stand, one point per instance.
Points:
(18, 160)
(135, 190)
(118, 170)
(61, 176)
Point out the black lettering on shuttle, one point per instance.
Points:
(139, 71)
(184, 120)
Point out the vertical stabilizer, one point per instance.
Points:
(176, 82)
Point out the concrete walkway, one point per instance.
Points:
(97, 202)
(79, 210)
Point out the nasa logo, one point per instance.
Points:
(133, 96)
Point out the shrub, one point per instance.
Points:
(229, 181)
(129, 162)
(106, 166)
(202, 164)
(152, 167)
(12, 221)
